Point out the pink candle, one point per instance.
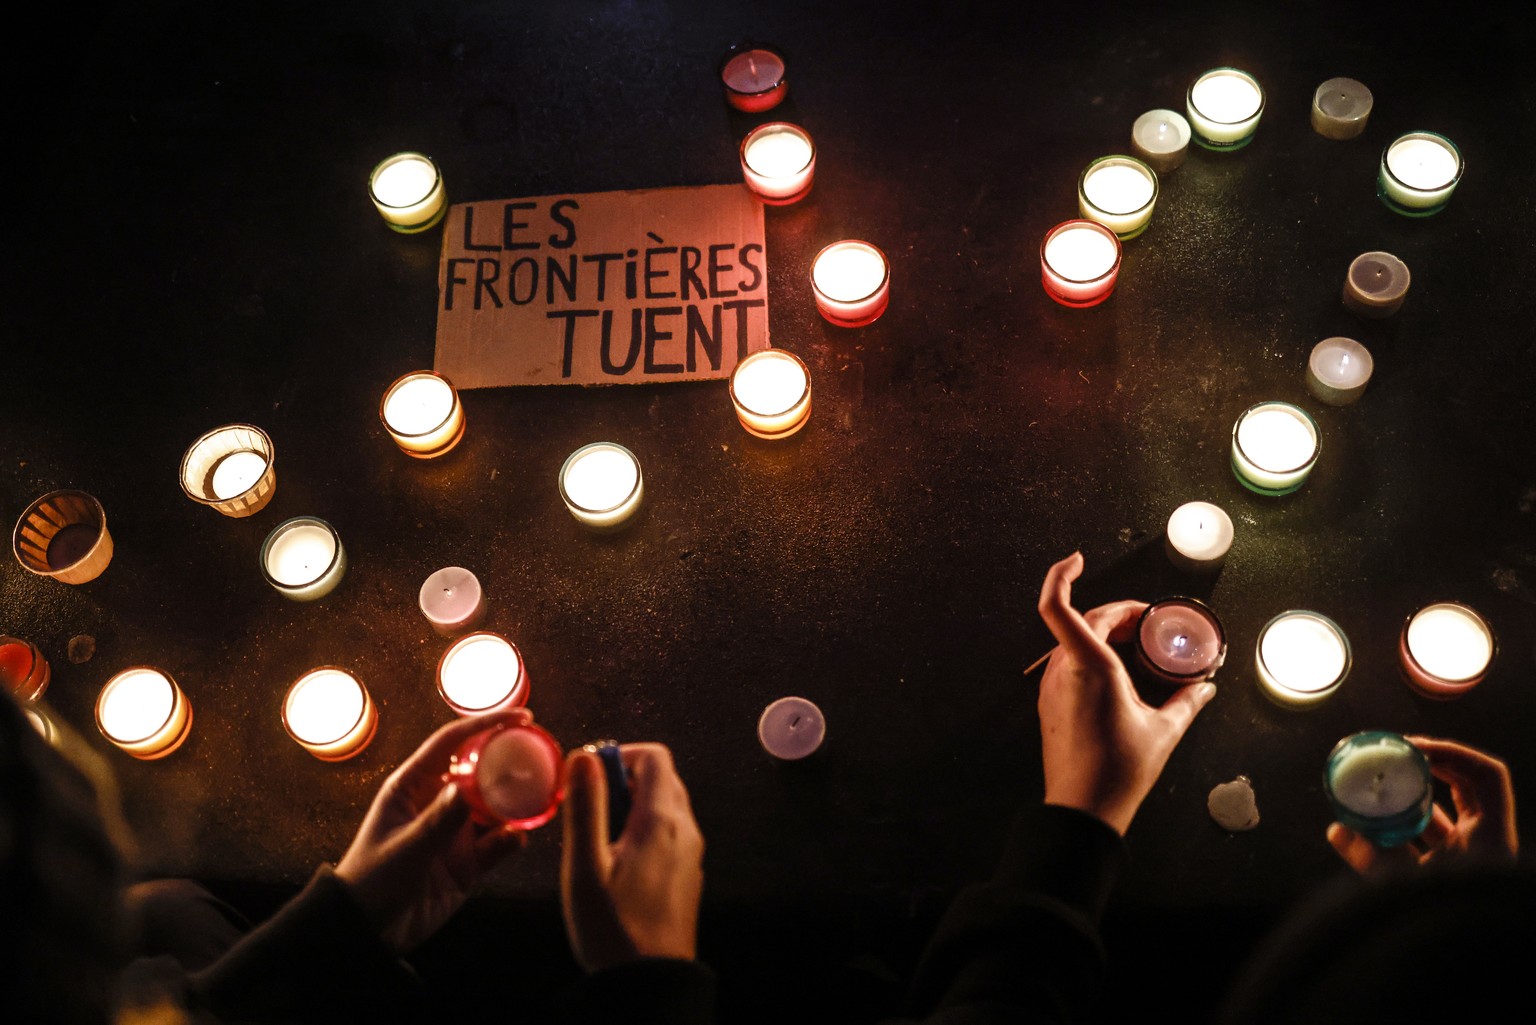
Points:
(513, 775)
(1445, 650)
(851, 281)
(753, 76)
(1079, 261)
(1180, 640)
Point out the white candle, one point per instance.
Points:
(1419, 171)
(1079, 262)
(236, 473)
(1338, 370)
(1161, 139)
(771, 392)
(1303, 657)
(601, 485)
(1199, 535)
(1340, 108)
(231, 469)
(753, 78)
(330, 714)
(1224, 107)
(1119, 193)
(1376, 284)
(1446, 649)
(422, 412)
(851, 282)
(452, 600)
(144, 713)
(481, 672)
(303, 558)
(1380, 786)
(407, 190)
(778, 162)
(791, 728)
(1274, 447)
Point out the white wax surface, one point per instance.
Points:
(516, 774)
(601, 478)
(1302, 653)
(405, 182)
(1341, 363)
(1080, 254)
(136, 704)
(778, 154)
(1343, 99)
(1200, 531)
(418, 405)
(451, 595)
(1117, 189)
(1378, 780)
(236, 473)
(1275, 440)
(769, 385)
(480, 671)
(849, 272)
(1450, 643)
(754, 71)
(791, 728)
(1161, 131)
(1226, 97)
(1422, 163)
(301, 554)
(324, 705)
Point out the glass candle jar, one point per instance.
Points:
(1380, 786)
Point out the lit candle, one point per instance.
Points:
(791, 728)
(1376, 284)
(778, 162)
(1419, 171)
(1180, 640)
(452, 600)
(1199, 535)
(601, 485)
(753, 76)
(1340, 108)
(1079, 262)
(64, 535)
(1380, 786)
(142, 711)
(330, 714)
(422, 412)
(1445, 650)
(303, 559)
(482, 672)
(230, 469)
(1338, 370)
(41, 723)
(1224, 107)
(771, 390)
(510, 775)
(23, 669)
(851, 282)
(1274, 447)
(1303, 657)
(1119, 193)
(408, 192)
(1161, 139)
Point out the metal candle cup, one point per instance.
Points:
(1302, 658)
(1338, 370)
(1340, 108)
(511, 775)
(452, 600)
(1376, 284)
(778, 162)
(231, 469)
(64, 535)
(771, 392)
(791, 728)
(1079, 262)
(482, 672)
(851, 281)
(407, 189)
(1180, 641)
(423, 414)
(329, 713)
(1161, 139)
(142, 711)
(1445, 650)
(1198, 536)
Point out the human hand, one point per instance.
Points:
(637, 897)
(417, 854)
(1103, 747)
(1484, 827)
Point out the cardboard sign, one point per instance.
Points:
(602, 288)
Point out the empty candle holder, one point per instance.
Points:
(231, 469)
(64, 535)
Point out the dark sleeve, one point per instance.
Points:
(318, 959)
(655, 991)
(1024, 946)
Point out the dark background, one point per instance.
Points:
(193, 245)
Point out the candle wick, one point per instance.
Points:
(794, 722)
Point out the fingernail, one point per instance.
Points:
(1207, 692)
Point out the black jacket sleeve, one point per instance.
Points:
(656, 991)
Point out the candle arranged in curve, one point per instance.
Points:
(231, 469)
(1419, 171)
(1445, 650)
(1376, 284)
(1199, 535)
(1302, 658)
(482, 672)
(1340, 108)
(407, 189)
(851, 281)
(753, 75)
(791, 728)
(1224, 106)
(1338, 370)
(64, 535)
(452, 600)
(303, 559)
(1380, 786)
(23, 669)
(423, 414)
(778, 162)
(771, 392)
(1161, 139)
(1079, 262)
(1274, 447)
(1118, 192)
(142, 711)
(330, 714)
(1179, 641)
(510, 775)
(601, 485)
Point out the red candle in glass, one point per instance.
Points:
(753, 77)
(1180, 640)
(510, 775)
(1079, 262)
(23, 669)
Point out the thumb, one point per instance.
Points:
(1358, 852)
(1180, 710)
(585, 856)
(437, 824)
